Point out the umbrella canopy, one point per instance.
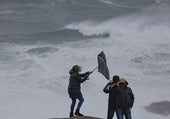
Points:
(102, 65)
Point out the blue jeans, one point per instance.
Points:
(81, 100)
(110, 113)
(123, 112)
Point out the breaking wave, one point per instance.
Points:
(72, 35)
(139, 41)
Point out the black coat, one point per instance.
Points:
(75, 80)
(110, 89)
(125, 97)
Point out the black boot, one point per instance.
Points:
(78, 113)
(71, 114)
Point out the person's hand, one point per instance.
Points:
(88, 78)
(111, 81)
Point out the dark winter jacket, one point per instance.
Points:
(75, 80)
(125, 97)
(110, 88)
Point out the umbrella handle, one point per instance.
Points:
(94, 69)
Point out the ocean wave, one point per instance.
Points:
(128, 3)
(41, 50)
(60, 36)
(30, 16)
(67, 35)
(153, 63)
(89, 3)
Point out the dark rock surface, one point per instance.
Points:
(162, 108)
(77, 117)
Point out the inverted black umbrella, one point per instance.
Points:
(102, 65)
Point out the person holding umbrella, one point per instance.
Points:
(74, 88)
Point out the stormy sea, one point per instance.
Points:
(40, 41)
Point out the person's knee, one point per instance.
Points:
(73, 101)
(81, 99)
